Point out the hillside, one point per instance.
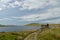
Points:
(50, 34)
(33, 24)
(46, 34)
(37, 24)
(55, 25)
(2, 25)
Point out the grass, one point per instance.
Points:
(14, 35)
(46, 34)
(50, 34)
(33, 24)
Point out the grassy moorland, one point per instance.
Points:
(46, 34)
(50, 34)
(14, 35)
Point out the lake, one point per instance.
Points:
(18, 28)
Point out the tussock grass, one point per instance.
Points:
(14, 35)
(46, 34)
(50, 34)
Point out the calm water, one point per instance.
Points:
(17, 28)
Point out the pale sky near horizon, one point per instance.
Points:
(18, 12)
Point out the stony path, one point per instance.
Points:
(28, 36)
(35, 34)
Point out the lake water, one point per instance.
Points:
(17, 28)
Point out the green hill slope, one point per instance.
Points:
(33, 24)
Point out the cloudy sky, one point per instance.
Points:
(29, 11)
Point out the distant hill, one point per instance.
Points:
(33, 24)
(2, 25)
(55, 25)
(37, 24)
(8, 25)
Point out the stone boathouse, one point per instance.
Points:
(44, 26)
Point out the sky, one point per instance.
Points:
(19, 12)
